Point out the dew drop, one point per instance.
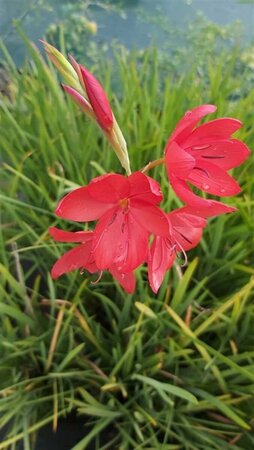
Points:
(205, 186)
(222, 191)
(122, 276)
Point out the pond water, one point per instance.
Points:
(130, 28)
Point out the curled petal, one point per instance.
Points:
(69, 236)
(198, 205)
(210, 209)
(76, 258)
(98, 100)
(183, 191)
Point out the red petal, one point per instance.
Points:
(76, 258)
(126, 280)
(212, 208)
(119, 240)
(109, 188)
(137, 247)
(210, 178)
(189, 120)
(98, 99)
(79, 206)
(187, 238)
(150, 217)
(178, 161)
(225, 154)
(144, 188)
(186, 216)
(160, 260)
(214, 130)
(69, 236)
(109, 235)
(183, 191)
(187, 228)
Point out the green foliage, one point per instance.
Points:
(172, 371)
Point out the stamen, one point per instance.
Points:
(184, 254)
(124, 203)
(98, 279)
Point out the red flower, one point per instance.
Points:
(81, 257)
(202, 155)
(186, 232)
(127, 213)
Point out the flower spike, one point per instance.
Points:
(87, 92)
(130, 227)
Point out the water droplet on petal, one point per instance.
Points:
(222, 191)
(205, 186)
(122, 276)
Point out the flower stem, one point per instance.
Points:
(152, 164)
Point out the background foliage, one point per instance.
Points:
(173, 371)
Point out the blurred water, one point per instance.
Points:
(129, 30)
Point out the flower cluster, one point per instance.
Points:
(131, 228)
